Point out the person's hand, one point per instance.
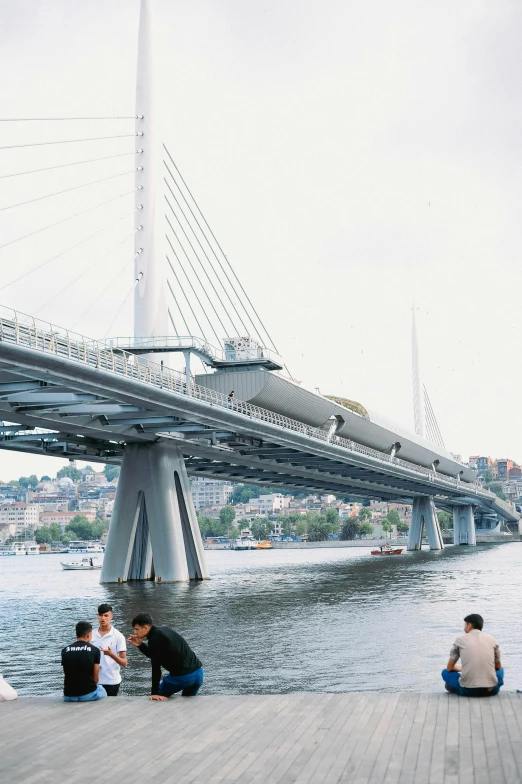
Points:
(134, 640)
(157, 698)
(107, 652)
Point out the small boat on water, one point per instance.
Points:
(244, 543)
(387, 550)
(7, 549)
(265, 545)
(86, 564)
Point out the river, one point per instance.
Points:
(279, 620)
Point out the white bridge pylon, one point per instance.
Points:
(154, 533)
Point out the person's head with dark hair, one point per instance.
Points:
(84, 631)
(474, 621)
(105, 617)
(142, 624)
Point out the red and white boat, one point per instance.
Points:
(387, 550)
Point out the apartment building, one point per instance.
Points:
(64, 518)
(271, 503)
(20, 515)
(209, 493)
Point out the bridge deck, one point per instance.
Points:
(369, 738)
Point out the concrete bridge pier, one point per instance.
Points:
(154, 533)
(424, 515)
(464, 525)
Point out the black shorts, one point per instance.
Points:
(112, 689)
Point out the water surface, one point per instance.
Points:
(280, 620)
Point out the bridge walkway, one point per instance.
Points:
(365, 738)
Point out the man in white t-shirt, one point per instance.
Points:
(113, 649)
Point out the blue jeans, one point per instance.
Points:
(94, 695)
(452, 681)
(188, 685)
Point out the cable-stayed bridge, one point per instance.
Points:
(140, 399)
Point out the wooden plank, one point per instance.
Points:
(513, 730)
(380, 767)
(494, 762)
(439, 739)
(393, 772)
(465, 758)
(350, 735)
(451, 745)
(426, 741)
(378, 739)
(503, 741)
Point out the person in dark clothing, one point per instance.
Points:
(81, 667)
(168, 649)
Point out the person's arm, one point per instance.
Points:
(96, 673)
(498, 663)
(141, 646)
(156, 678)
(452, 665)
(120, 657)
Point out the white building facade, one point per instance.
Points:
(19, 515)
(208, 493)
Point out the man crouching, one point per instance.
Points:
(166, 648)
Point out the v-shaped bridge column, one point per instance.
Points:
(424, 515)
(464, 525)
(154, 533)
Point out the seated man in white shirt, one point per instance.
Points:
(113, 649)
(480, 673)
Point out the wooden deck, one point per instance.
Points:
(361, 738)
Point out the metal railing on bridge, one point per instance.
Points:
(37, 335)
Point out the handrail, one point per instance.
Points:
(36, 335)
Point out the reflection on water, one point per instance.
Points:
(278, 620)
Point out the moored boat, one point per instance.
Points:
(387, 550)
(265, 545)
(86, 564)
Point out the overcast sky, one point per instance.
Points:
(351, 157)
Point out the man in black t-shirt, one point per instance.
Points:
(81, 667)
(166, 648)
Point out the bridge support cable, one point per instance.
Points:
(135, 283)
(120, 271)
(207, 295)
(172, 322)
(67, 190)
(63, 252)
(179, 310)
(65, 119)
(85, 272)
(68, 218)
(431, 422)
(218, 277)
(65, 165)
(69, 141)
(222, 253)
(187, 299)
